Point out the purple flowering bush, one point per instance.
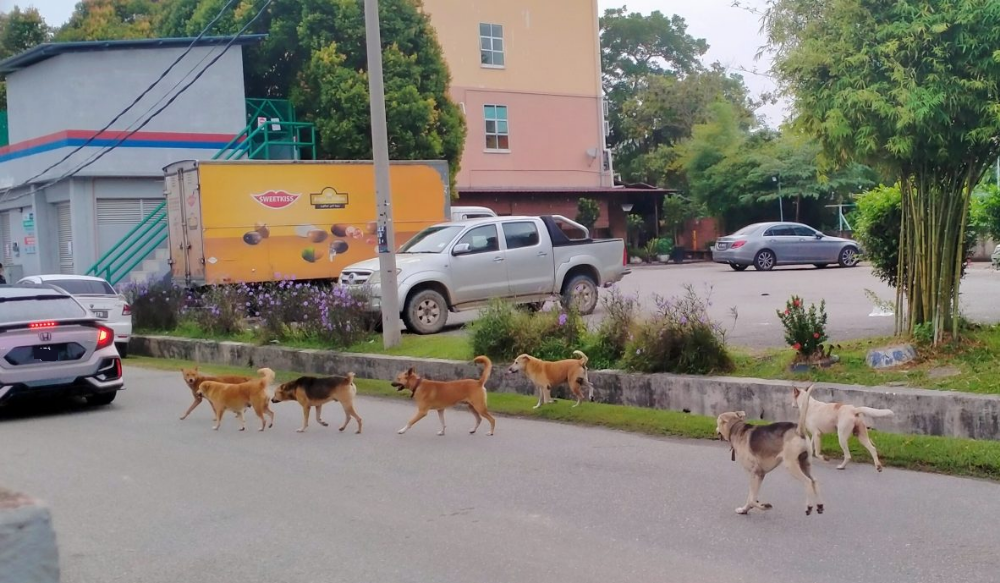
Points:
(156, 307)
(220, 309)
(608, 344)
(679, 338)
(503, 331)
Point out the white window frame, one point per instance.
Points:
(491, 45)
(501, 127)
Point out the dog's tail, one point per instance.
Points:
(581, 357)
(876, 413)
(800, 429)
(266, 374)
(487, 369)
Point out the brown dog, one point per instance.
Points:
(440, 395)
(236, 396)
(193, 379)
(545, 375)
(315, 392)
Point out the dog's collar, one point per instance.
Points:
(416, 386)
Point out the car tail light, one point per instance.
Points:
(118, 367)
(105, 337)
(36, 325)
(738, 244)
(127, 310)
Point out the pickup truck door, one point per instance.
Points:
(530, 268)
(478, 273)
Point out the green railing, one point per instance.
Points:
(4, 135)
(260, 142)
(133, 248)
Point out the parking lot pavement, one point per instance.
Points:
(755, 296)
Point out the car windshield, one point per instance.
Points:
(84, 287)
(745, 230)
(431, 240)
(30, 308)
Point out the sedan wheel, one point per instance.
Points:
(848, 257)
(738, 267)
(764, 260)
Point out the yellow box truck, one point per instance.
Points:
(257, 221)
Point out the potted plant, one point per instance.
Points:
(664, 246)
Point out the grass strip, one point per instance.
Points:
(944, 455)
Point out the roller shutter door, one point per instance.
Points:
(65, 238)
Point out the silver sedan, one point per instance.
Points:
(765, 245)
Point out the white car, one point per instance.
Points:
(99, 297)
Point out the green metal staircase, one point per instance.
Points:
(271, 133)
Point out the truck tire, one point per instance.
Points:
(426, 312)
(581, 291)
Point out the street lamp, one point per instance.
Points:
(781, 207)
(383, 206)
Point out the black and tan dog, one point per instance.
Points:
(545, 375)
(317, 391)
(761, 448)
(439, 395)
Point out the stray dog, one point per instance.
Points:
(236, 396)
(315, 392)
(761, 448)
(440, 395)
(544, 375)
(193, 379)
(842, 418)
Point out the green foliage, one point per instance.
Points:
(155, 307)
(984, 212)
(664, 246)
(503, 332)
(607, 346)
(910, 87)
(110, 20)
(675, 211)
(877, 220)
(805, 330)
(588, 211)
(19, 31)
(679, 338)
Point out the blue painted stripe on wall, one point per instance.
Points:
(102, 143)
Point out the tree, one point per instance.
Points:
(676, 211)
(110, 20)
(910, 87)
(315, 55)
(19, 31)
(588, 211)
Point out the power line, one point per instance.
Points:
(137, 99)
(94, 158)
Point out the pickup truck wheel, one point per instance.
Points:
(581, 293)
(426, 312)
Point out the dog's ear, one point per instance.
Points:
(795, 392)
(410, 372)
(741, 414)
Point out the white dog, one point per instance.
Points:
(844, 419)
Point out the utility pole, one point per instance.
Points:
(380, 152)
(781, 207)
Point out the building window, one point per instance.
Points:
(497, 138)
(491, 45)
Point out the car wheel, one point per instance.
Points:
(581, 293)
(426, 312)
(764, 260)
(848, 257)
(101, 399)
(122, 349)
(820, 265)
(738, 266)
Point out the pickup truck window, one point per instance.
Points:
(481, 239)
(430, 240)
(520, 235)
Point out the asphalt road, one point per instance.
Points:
(141, 497)
(755, 296)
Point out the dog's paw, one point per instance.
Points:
(743, 510)
(342, 428)
(324, 423)
(842, 466)
(300, 430)
(879, 468)
(764, 506)
(809, 510)
(819, 509)
(401, 431)
(243, 428)
(440, 433)
(358, 432)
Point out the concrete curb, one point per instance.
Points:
(28, 552)
(917, 411)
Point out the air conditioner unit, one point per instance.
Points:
(607, 128)
(607, 160)
(606, 105)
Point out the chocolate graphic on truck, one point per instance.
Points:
(275, 199)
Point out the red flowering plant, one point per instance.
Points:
(805, 330)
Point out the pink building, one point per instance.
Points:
(527, 75)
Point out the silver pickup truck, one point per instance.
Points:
(461, 265)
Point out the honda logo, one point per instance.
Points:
(45, 336)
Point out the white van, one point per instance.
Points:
(461, 213)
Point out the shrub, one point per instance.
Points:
(679, 338)
(607, 345)
(337, 316)
(588, 211)
(155, 307)
(503, 332)
(805, 331)
(664, 246)
(222, 309)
